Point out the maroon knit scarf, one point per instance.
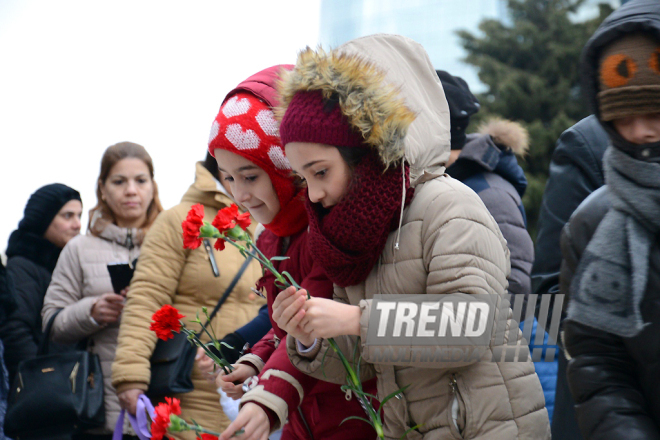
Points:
(350, 237)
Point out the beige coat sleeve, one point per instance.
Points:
(154, 284)
(324, 363)
(65, 292)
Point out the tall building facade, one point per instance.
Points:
(433, 23)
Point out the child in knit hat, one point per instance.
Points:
(246, 144)
(610, 245)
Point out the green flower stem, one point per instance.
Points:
(288, 281)
(356, 385)
(214, 338)
(226, 366)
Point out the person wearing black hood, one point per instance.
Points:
(611, 245)
(486, 162)
(51, 218)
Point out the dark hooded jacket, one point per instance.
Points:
(491, 170)
(612, 378)
(576, 170)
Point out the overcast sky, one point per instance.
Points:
(77, 76)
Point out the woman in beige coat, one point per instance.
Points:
(81, 287)
(170, 274)
(367, 126)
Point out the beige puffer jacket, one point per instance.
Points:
(80, 277)
(449, 244)
(169, 274)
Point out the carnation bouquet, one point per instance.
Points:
(230, 227)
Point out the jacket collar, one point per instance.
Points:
(126, 237)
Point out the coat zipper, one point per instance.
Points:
(129, 240)
(453, 384)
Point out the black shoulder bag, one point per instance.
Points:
(173, 360)
(56, 394)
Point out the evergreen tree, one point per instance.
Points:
(530, 67)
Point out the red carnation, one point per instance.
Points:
(162, 421)
(191, 226)
(225, 219)
(166, 321)
(219, 244)
(243, 220)
(209, 437)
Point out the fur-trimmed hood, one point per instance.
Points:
(508, 134)
(388, 90)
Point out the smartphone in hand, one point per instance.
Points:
(120, 275)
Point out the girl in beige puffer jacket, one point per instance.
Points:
(81, 286)
(367, 126)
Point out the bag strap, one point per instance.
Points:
(139, 421)
(45, 338)
(225, 295)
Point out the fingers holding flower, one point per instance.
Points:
(227, 381)
(326, 318)
(289, 311)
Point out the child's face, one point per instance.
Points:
(327, 174)
(250, 185)
(639, 129)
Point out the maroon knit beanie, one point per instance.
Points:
(311, 118)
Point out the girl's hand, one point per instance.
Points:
(205, 365)
(325, 318)
(240, 374)
(288, 312)
(253, 420)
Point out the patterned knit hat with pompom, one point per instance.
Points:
(245, 126)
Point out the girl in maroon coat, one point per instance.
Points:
(245, 142)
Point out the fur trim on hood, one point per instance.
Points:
(370, 104)
(508, 133)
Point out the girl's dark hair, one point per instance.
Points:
(112, 155)
(212, 166)
(352, 155)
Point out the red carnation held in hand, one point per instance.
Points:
(162, 421)
(191, 226)
(227, 219)
(166, 321)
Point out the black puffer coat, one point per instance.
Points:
(614, 380)
(30, 264)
